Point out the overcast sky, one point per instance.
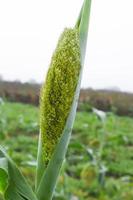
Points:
(29, 31)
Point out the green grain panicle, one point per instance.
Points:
(58, 91)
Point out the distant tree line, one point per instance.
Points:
(118, 102)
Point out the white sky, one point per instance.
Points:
(29, 31)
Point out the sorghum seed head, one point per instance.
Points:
(58, 91)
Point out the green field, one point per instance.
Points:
(99, 162)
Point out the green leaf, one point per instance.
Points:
(47, 177)
(3, 175)
(83, 24)
(12, 183)
(40, 164)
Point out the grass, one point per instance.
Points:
(80, 176)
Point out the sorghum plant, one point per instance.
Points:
(58, 103)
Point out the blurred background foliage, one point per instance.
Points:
(99, 161)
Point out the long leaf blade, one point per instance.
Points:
(83, 28)
(14, 185)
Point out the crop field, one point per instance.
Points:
(99, 162)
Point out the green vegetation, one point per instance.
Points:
(85, 174)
